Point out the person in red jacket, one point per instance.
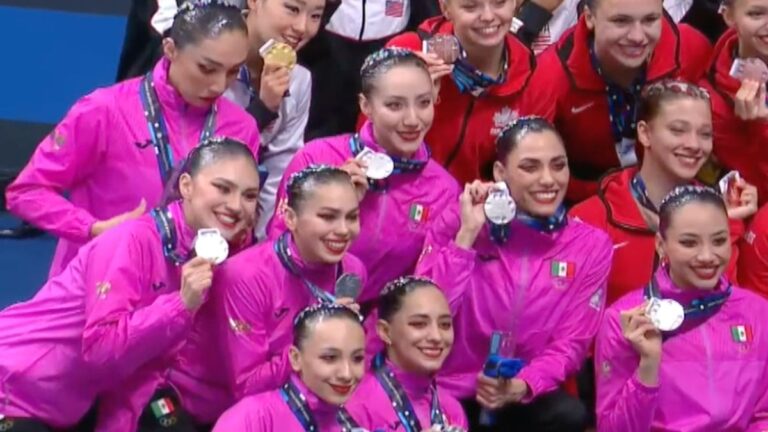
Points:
(675, 130)
(588, 83)
(481, 92)
(753, 254)
(740, 112)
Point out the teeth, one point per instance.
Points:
(336, 244)
(489, 30)
(545, 195)
(227, 219)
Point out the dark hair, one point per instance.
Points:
(684, 195)
(307, 318)
(209, 151)
(393, 293)
(514, 132)
(657, 94)
(303, 182)
(199, 19)
(384, 60)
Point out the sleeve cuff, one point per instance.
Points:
(638, 386)
(263, 115)
(459, 253)
(534, 384)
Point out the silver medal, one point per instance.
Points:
(499, 207)
(210, 244)
(348, 285)
(378, 166)
(666, 314)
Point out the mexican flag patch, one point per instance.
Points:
(162, 407)
(741, 333)
(563, 269)
(418, 213)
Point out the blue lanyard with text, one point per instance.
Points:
(164, 224)
(284, 254)
(297, 402)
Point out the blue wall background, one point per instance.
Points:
(53, 52)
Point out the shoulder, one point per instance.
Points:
(329, 150)
(252, 413)
(410, 40)
(593, 239)
(592, 211)
(301, 80)
(253, 267)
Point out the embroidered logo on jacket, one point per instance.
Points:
(239, 327)
(57, 139)
(502, 118)
(102, 288)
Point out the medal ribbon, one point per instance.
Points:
(164, 224)
(699, 307)
(284, 254)
(297, 402)
(158, 130)
(400, 165)
(500, 233)
(470, 80)
(622, 112)
(400, 402)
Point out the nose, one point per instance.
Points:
(219, 83)
(547, 179)
(434, 334)
(300, 24)
(411, 117)
(342, 228)
(706, 254)
(345, 372)
(486, 14)
(636, 33)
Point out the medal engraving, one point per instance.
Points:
(499, 207)
(210, 244)
(666, 314)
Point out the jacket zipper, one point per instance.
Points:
(465, 121)
(362, 27)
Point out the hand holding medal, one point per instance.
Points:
(740, 197)
(348, 287)
(356, 170)
(499, 206)
(278, 54)
(376, 165)
(750, 100)
(752, 69)
(639, 329)
(471, 202)
(196, 279)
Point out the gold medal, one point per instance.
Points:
(278, 54)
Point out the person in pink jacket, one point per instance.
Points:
(696, 360)
(128, 299)
(328, 360)
(536, 275)
(395, 212)
(400, 392)
(108, 159)
(266, 285)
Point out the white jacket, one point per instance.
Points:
(281, 139)
(366, 20)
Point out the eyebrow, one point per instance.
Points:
(212, 62)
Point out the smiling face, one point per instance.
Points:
(400, 108)
(325, 222)
(625, 31)
(293, 22)
(331, 360)
(536, 173)
(678, 139)
(696, 244)
(420, 334)
(750, 19)
(223, 194)
(480, 24)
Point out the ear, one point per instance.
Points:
(294, 356)
(186, 186)
(383, 330)
(444, 9)
(290, 218)
(644, 133)
(727, 13)
(169, 48)
(499, 171)
(589, 18)
(252, 4)
(660, 247)
(365, 105)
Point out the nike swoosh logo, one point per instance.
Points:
(578, 109)
(620, 245)
(280, 313)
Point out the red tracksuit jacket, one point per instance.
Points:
(615, 211)
(739, 145)
(568, 91)
(753, 254)
(463, 135)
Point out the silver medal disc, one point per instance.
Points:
(499, 207)
(379, 166)
(210, 244)
(666, 314)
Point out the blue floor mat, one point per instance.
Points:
(24, 264)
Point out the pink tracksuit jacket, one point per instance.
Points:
(371, 405)
(260, 300)
(113, 314)
(713, 376)
(268, 412)
(394, 221)
(548, 290)
(101, 156)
